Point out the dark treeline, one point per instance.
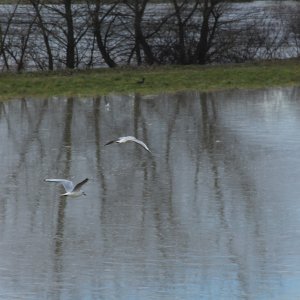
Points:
(94, 33)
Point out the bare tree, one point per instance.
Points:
(71, 35)
(294, 27)
(138, 7)
(188, 35)
(69, 23)
(288, 15)
(41, 24)
(71, 43)
(18, 36)
(184, 13)
(102, 22)
(211, 11)
(6, 38)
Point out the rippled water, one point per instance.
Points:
(213, 213)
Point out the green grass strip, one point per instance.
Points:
(158, 79)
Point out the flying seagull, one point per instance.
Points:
(71, 189)
(125, 139)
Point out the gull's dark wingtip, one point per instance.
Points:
(110, 142)
(80, 184)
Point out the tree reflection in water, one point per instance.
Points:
(212, 212)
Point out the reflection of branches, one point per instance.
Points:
(100, 173)
(139, 121)
(171, 126)
(3, 114)
(150, 181)
(19, 172)
(34, 125)
(210, 129)
(67, 141)
(67, 135)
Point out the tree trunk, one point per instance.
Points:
(98, 34)
(180, 28)
(70, 51)
(202, 47)
(41, 25)
(139, 38)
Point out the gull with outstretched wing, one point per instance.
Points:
(71, 189)
(125, 139)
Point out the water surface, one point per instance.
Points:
(212, 213)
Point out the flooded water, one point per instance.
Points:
(212, 213)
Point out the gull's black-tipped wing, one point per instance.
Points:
(110, 142)
(80, 184)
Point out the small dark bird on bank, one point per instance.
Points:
(141, 81)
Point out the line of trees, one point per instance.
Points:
(94, 33)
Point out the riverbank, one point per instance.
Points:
(158, 79)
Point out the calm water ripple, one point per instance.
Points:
(213, 213)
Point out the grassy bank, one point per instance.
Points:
(157, 79)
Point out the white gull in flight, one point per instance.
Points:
(125, 139)
(71, 189)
